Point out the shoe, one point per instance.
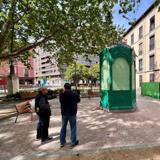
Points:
(50, 138)
(46, 140)
(62, 145)
(38, 137)
(73, 145)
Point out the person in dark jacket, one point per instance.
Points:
(68, 101)
(43, 110)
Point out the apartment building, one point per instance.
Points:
(88, 60)
(46, 69)
(25, 75)
(4, 72)
(144, 37)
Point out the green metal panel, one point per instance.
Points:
(120, 100)
(151, 89)
(133, 98)
(121, 51)
(105, 78)
(104, 102)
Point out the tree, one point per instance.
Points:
(81, 72)
(60, 25)
(63, 28)
(94, 72)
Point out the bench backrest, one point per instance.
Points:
(23, 107)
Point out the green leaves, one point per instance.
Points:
(81, 72)
(94, 72)
(78, 71)
(74, 27)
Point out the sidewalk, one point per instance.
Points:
(7, 113)
(7, 109)
(97, 131)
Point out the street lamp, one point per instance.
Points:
(75, 71)
(75, 75)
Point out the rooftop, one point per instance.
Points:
(140, 18)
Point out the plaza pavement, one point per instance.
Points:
(100, 134)
(7, 109)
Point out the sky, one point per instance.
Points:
(119, 20)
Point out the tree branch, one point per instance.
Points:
(7, 25)
(22, 13)
(21, 50)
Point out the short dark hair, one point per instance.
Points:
(67, 86)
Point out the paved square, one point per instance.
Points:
(96, 129)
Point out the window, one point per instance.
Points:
(132, 39)
(26, 73)
(152, 42)
(133, 76)
(140, 48)
(152, 23)
(120, 74)
(151, 62)
(43, 63)
(140, 64)
(151, 76)
(140, 32)
(105, 75)
(140, 80)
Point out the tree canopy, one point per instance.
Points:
(94, 72)
(81, 72)
(62, 27)
(76, 71)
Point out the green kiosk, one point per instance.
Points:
(117, 78)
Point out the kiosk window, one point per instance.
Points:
(133, 76)
(105, 76)
(120, 74)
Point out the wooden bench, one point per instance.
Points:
(23, 108)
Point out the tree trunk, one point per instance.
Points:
(13, 81)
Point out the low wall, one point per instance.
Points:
(151, 89)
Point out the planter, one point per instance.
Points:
(28, 95)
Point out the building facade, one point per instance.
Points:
(4, 71)
(46, 69)
(25, 75)
(144, 37)
(88, 60)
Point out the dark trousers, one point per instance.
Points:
(42, 127)
(73, 124)
(39, 129)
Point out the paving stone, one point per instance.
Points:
(97, 130)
